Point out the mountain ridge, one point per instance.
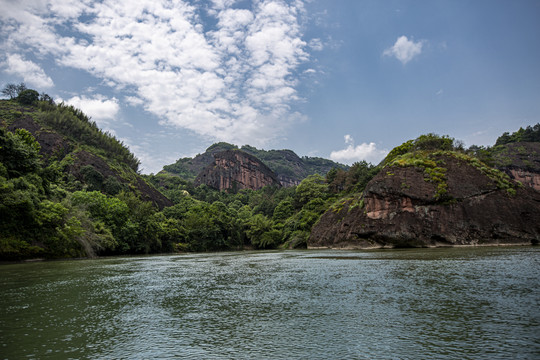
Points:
(286, 164)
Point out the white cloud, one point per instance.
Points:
(101, 109)
(316, 44)
(404, 49)
(230, 83)
(364, 151)
(31, 73)
(134, 101)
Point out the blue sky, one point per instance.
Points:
(341, 79)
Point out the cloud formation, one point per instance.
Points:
(234, 81)
(364, 151)
(404, 49)
(31, 73)
(101, 109)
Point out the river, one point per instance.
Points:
(452, 303)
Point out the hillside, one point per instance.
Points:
(67, 189)
(516, 154)
(430, 193)
(289, 168)
(88, 157)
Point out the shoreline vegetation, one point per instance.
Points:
(70, 190)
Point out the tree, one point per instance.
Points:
(28, 97)
(92, 177)
(20, 152)
(10, 90)
(283, 210)
(13, 90)
(310, 188)
(46, 97)
(261, 233)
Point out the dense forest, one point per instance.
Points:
(51, 207)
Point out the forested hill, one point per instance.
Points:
(81, 153)
(68, 189)
(286, 164)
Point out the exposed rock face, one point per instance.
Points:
(399, 209)
(521, 161)
(527, 178)
(236, 170)
(287, 181)
(52, 143)
(289, 168)
(189, 168)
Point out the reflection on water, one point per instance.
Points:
(467, 303)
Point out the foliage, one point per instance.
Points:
(428, 142)
(312, 187)
(354, 180)
(431, 164)
(529, 134)
(20, 152)
(28, 97)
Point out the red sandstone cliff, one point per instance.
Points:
(235, 170)
(400, 208)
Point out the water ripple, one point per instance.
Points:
(435, 303)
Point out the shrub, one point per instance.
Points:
(28, 97)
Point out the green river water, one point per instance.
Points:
(453, 303)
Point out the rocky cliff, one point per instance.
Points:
(439, 199)
(234, 170)
(289, 168)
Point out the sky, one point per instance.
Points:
(346, 80)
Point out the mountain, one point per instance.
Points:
(234, 170)
(433, 197)
(68, 189)
(289, 168)
(188, 168)
(88, 157)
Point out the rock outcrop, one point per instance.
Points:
(527, 178)
(289, 168)
(521, 161)
(234, 170)
(402, 207)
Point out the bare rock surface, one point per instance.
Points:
(236, 170)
